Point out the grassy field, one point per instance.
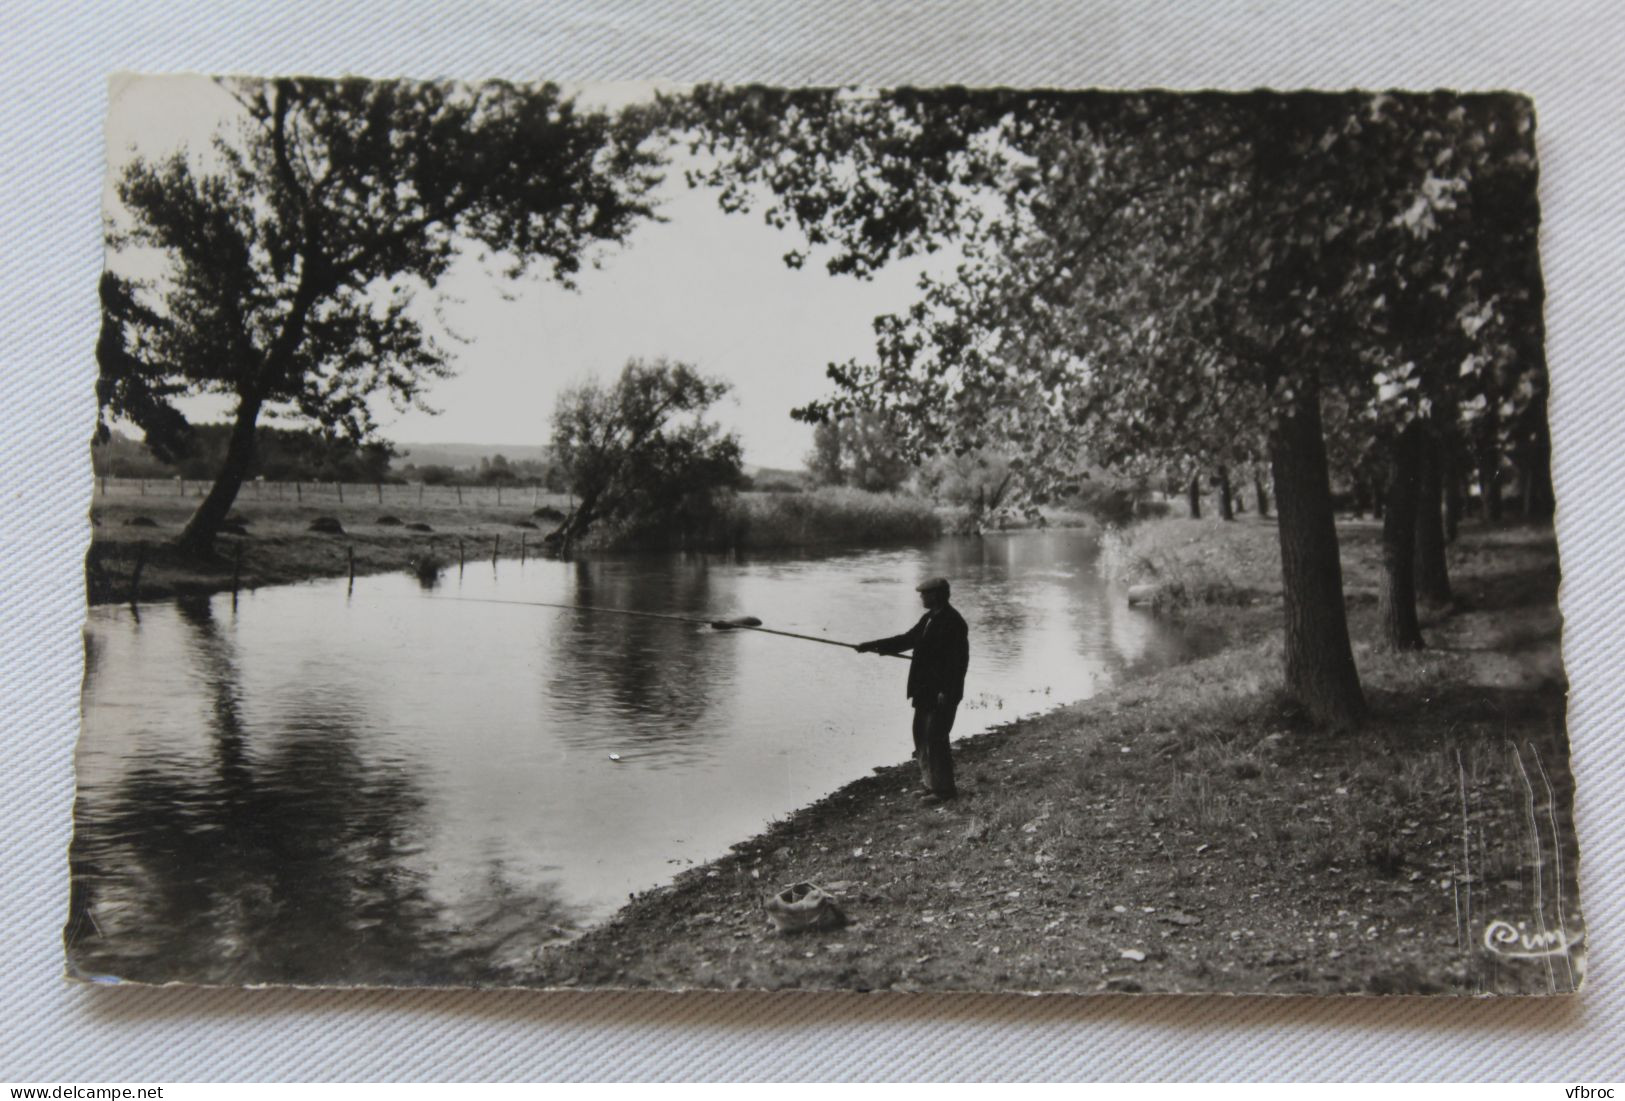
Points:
(1188, 832)
(278, 545)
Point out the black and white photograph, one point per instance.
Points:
(861, 538)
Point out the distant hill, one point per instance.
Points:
(467, 456)
(464, 456)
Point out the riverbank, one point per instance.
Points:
(1188, 832)
(395, 528)
(277, 546)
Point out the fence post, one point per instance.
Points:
(499, 494)
(143, 487)
(459, 556)
(237, 570)
(349, 551)
(340, 487)
(521, 548)
(180, 487)
(380, 492)
(496, 549)
(298, 493)
(459, 494)
(420, 493)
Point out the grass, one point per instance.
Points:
(964, 521)
(1194, 563)
(1187, 832)
(834, 515)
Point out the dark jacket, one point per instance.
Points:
(941, 645)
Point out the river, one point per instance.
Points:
(401, 784)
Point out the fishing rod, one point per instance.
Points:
(739, 623)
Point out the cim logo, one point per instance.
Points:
(1517, 942)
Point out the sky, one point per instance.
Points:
(704, 287)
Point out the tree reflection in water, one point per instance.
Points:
(284, 856)
(652, 679)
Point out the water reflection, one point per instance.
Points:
(287, 862)
(651, 679)
(409, 785)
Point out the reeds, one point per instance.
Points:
(832, 516)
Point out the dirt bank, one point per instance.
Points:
(1188, 832)
(277, 545)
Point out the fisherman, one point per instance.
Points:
(936, 682)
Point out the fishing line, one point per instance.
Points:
(739, 623)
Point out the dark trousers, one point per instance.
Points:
(932, 725)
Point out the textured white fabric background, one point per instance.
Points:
(56, 61)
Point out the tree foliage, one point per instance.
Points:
(857, 451)
(294, 251)
(639, 451)
(1147, 280)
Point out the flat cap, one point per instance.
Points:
(931, 583)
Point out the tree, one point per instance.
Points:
(1221, 482)
(980, 481)
(496, 470)
(639, 452)
(293, 255)
(1134, 265)
(1460, 254)
(1145, 276)
(857, 451)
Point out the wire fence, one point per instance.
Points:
(356, 493)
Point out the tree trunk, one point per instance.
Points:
(1489, 488)
(1432, 572)
(1320, 671)
(1195, 495)
(573, 527)
(1227, 509)
(197, 538)
(1397, 601)
(1542, 495)
(1538, 501)
(1263, 495)
(1489, 464)
(1453, 496)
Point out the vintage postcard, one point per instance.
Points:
(895, 539)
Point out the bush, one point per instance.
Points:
(1107, 502)
(834, 515)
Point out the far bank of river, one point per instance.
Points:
(401, 528)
